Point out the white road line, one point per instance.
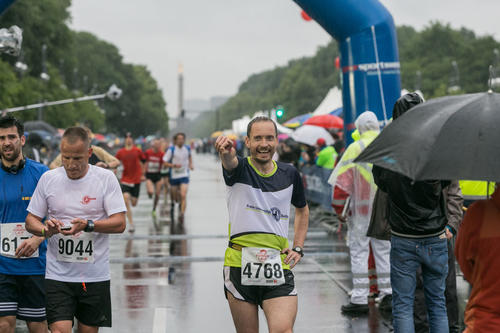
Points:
(160, 320)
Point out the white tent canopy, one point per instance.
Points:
(332, 101)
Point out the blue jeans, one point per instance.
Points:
(407, 255)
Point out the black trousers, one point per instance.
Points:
(420, 309)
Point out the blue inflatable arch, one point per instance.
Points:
(3, 6)
(369, 56)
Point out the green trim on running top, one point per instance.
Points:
(233, 257)
(260, 173)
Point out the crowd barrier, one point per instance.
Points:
(316, 185)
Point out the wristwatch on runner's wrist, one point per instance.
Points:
(90, 226)
(299, 250)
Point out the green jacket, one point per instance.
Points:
(326, 157)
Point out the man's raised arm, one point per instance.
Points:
(227, 153)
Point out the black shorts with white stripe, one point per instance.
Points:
(23, 296)
(256, 294)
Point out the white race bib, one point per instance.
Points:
(153, 167)
(12, 235)
(261, 267)
(76, 248)
(179, 171)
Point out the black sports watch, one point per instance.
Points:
(90, 226)
(298, 249)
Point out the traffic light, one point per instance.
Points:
(280, 112)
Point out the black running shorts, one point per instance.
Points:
(22, 296)
(133, 190)
(90, 304)
(256, 294)
(155, 177)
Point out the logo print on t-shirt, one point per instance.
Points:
(276, 213)
(86, 200)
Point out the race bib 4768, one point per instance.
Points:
(261, 267)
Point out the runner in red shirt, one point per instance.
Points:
(132, 159)
(154, 157)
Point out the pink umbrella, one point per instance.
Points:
(283, 136)
(326, 121)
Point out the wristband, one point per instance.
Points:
(43, 232)
(451, 230)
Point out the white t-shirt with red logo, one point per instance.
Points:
(96, 196)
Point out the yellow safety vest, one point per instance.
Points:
(476, 189)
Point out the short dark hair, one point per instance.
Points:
(9, 121)
(177, 134)
(260, 119)
(75, 133)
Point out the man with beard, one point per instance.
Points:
(258, 260)
(22, 255)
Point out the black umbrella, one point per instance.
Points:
(453, 137)
(39, 125)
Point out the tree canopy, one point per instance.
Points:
(79, 63)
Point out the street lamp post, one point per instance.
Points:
(454, 84)
(44, 76)
(113, 94)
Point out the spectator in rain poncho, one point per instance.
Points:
(355, 181)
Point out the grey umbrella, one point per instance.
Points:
(39, 125)
(453, 137)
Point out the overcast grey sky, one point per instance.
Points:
(222, 42)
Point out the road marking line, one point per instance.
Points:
(160, 320)
(336, 281)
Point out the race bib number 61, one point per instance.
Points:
(261, 267)
(12, 235)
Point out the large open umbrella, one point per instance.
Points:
(216, 134)
(337, 112)
(326, 121)
(39, 125)
(310, 134)
(454, 137)
(297, 121)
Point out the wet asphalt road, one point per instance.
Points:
(167, 277)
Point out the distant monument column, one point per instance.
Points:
(180, 104)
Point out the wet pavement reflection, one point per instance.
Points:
(167, 276)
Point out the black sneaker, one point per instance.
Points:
(386, 303)
(355, 309)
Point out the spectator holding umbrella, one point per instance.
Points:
(417, 216)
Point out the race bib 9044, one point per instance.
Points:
(12, 235)
(261, 267)
(76, 248)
